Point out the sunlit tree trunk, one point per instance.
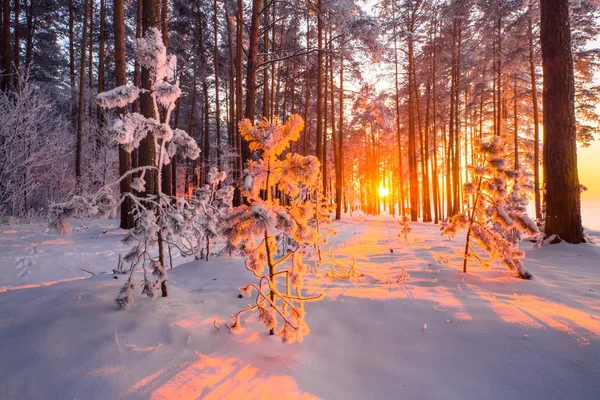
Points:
(320, 61)
(251, 70)
(339, 170)
(536, 124)
(307, 90)
(397, 100)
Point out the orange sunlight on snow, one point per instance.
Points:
(37, 285)
(214, 377)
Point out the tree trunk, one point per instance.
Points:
(79, 144)
(91, 71)
(319, 138)
(29, 49)
(412, 148)
(121, 79)
(516, 117)
(536, 126)
(6, 63)
(250, 109)
(397, 98)
(166, 170)
(563, 192)
(307, 92)
(339, 170)
(17, 41)
(99, 111)
(217, 104)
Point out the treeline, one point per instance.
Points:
(393, 97)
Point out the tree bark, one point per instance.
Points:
(319, 138)
(339, 170)
(80, 111)
(536, 126)
(17, 41)
(6, 63)
(217, 103)
(563, 192)
(250, 109)
(397, 99)
(121, 79)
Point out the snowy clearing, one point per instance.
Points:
(439, 335)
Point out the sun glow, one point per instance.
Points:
(383, 191)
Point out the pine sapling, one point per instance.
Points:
(405, 227)
(495, 221)
(252, 228)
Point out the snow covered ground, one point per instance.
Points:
(439, 335)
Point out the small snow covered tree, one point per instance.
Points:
(252, 228)
(157, 216)
(405, 227)
(496, 219)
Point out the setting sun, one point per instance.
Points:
(383, 191)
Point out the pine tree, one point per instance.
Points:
(260, 228)
(495, 213)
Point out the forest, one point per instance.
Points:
(342, 164)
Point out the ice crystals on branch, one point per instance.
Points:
(119, 97)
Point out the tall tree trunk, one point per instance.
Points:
(412, 147)
(29, 49)
(166, 170)
(339, 169)
(397, 99)
(536, 125)
(319, 138)
(6, 63)
(250, 109)
(239, 42)
(325, 122)
(307, 92)
(91, 70)
(17, 41)
(137, 78)
(121, 79)
(99, 111)
(206, 132)
(217, 103)
(80, 111)
(563, 193)
(231, 98)
(516, 118)
(136, 66)
(71, 51)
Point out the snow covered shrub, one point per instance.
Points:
(405, 227)
(496, 219)
(253, 227)
(196, 221)
(35, 142)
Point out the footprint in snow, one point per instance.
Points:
(22, 265)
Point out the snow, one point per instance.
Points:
(439, 335)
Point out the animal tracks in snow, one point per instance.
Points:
(22, 265)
